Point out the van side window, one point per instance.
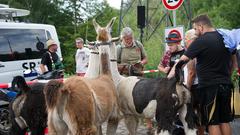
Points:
(48, 35)
(22, 44)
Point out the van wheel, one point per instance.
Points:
(4, 121)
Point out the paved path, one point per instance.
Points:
(122, 130)
(236, 126)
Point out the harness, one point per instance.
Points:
(53, 65)
(120, 53)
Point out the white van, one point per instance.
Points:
(21, 48)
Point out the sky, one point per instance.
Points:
(114, 3)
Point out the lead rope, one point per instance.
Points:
(53, 65)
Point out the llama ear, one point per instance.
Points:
(110, 24)
(96, 25)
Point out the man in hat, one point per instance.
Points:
(81, 57)
(174, 52)
(50, 60)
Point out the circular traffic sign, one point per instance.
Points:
(177, 32)
(172, 4)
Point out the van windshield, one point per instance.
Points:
(22, 44)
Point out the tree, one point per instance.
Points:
(87, 32)
(81, 10)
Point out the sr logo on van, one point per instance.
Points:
(29, 69)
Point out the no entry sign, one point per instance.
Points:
(179, 30)
(172, 4)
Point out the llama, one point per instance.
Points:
(93, 67)
(80, 105)
(28, 110)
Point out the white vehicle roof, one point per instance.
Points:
(14, 12)
(14, 25)
(4, 6)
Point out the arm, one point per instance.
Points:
(184, 58)
(191, 72)
(164, 63)
(144, 61)
(143, 53)
(234, 63)
(43, 64)
(43, 69)
(163, 69)
(87, 56)
(180, 64)
(119, 51)
(76, 57)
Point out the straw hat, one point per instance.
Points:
(51, 42)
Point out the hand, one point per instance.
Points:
(166, 70)
(141, 63)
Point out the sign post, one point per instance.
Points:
(172, 5)
(174, 18)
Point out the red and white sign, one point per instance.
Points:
(179, 30)
(172, 4)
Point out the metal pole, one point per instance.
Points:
(167, 19)
(120, 18)
(147, 18)
(141, 35)
(174, 18)
(190, 13)
(86, 35)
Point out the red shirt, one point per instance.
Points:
(165, 62)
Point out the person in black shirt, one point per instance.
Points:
(214, 74)
(50, 58)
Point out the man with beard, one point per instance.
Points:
(214, 76)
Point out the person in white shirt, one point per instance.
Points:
(81, 57)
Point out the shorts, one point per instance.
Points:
(215, 104)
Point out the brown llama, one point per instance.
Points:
(79, 106)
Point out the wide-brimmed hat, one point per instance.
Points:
(173, 38)
(51, 42)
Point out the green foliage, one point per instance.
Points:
(73, 18)
(223, 13)
(86, 31)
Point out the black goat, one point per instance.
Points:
(28, 110)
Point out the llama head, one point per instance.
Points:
(104, 39)
(104, 33)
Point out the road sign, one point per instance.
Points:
(172, 4)
(179, 30)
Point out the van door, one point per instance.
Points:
(20, 52)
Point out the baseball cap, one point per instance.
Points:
(173, 38)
